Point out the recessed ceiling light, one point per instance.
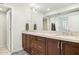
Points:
(1, 9)
(34, 5)
(48, 9)
(37, 6)
(34, 10)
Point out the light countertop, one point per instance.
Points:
(55, 36)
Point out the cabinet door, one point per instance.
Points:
(69, 48)
(41, 45)
(27, 44)
(33, 45)
(53, 47)
(37, 43)
(33, 42)
(23, 41)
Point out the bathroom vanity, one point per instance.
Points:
(49, 44)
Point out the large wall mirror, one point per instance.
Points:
(62, 23)
(45, 24)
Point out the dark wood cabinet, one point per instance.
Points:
(37, 45)
(70, 48)
(33, 42)
(41, 45)
(33, 45)
(23, 41)
(53, 47)
(26, 42)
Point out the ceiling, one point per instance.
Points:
(48, 7)
(43, 7)
(3, 8)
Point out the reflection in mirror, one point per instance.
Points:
(53, 28)
(45, 22)
(64, 22)
(35, 27)
(59, 24)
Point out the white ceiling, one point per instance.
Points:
(44, 6)
(3, 8)
(53, 6)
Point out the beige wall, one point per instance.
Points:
(2, 29)
(21, 14)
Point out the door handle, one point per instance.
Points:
(61, 48)
(61, 45)
(58, 44)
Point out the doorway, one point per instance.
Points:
(5, 31)
(2, 29)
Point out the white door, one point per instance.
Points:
(2, 29)
(8, 24)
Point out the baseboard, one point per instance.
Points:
(16, 50)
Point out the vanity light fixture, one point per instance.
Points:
(48, 9)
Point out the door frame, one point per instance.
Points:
(10, 29)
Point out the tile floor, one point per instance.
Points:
(4, 51)
(22, 52)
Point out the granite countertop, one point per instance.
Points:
(55, 36)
